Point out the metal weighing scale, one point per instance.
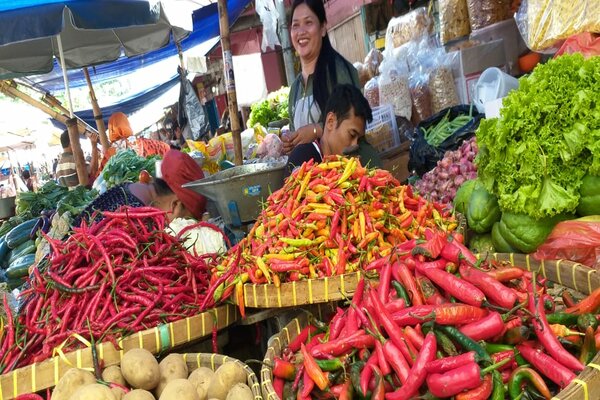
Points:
(239, 191)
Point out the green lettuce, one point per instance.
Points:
(533, 157)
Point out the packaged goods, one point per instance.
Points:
(454, 20)
(410, 26)
(372, 92)
(486, 12)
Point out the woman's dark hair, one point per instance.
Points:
(325, 77)
(161, 187)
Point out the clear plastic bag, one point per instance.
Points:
(393, 87)
(576, 240)
(441, 84)
(544, 23)
(454, 20)
(363, 73)
(483, 13)
(268, 16)
(372, 62)
(403, 29)
(372, 92)
(421, 96)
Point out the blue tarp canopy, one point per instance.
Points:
(206, 26)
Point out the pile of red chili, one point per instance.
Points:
(333, 218)
(120, 275)
(441, 323)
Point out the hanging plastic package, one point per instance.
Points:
(483, 13)
(545, 23)
(192, 119)
(393, 86)
(268, 14)
(454, 20)
(441, 84)
(410, 26)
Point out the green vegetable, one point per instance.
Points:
(20, 233)
(481, 243)
(589, 200)
(3, 250)
(525, 233)
(436, 134)
(463, 195)
(30, 204)
(499, 242)
(76, 200)
(483, 210)
(534, 157)
(20, 267)
(27, 247)
(125, 166)
(273, 108)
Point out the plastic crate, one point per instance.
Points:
(382, 133)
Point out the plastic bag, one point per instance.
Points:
(454, 20)
(382, 132)
(441, 84)
(584, 43)
(363, 73)
(372, 92)
(483, 13)
(420, 96)
(403, 29)
(544, 23)
(423, 156)
(393, 87)
(271, 146)
(372, 62)
(268, 14)
(576, 240)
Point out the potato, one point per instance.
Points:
(179, 389)
(240, 391)
(118, 393)
(72, 380)
(200, 378)
(95, 391)
(226, 377)
(171, 367)
(140, 369)
(139, 394)
(113, 374)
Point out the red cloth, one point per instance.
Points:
(177, 169)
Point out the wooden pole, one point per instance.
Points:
(82, 173)
(236, 129)
(97, 113)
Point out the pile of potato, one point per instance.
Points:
(151, 380)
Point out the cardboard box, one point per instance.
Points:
(469, 63)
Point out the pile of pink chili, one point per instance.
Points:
(120, 275)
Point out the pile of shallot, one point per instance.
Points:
(441, 183)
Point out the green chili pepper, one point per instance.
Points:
(588, 350)
(466, 343)
(333, 364)
(562, 318)
(401, 293)
(445, 343)
(492, 348)
(523, 375)
(586, 320)
(355, 370)
(499, 392)
(517, 335)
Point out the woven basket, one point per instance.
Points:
(214, 361)
(40, 376)
(310, 291)
(566, 273)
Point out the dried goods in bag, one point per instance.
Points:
(372, 62)
(393, 89)
(410, 26)
(544, 23)
(454, 20)
(483, 13)
(420, 96)
(372, 92)
(443, 90)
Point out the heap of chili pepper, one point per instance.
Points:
(121, 275)
(333, 218)
(439, 322)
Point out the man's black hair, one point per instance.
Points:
(347, 97)
(65, 141)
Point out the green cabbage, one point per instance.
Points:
(273, 108)
(547, 138)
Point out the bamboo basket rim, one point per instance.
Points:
(45, 374)
(567, 273)
(300, 293)
(214, 361)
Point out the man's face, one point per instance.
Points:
(337, 137)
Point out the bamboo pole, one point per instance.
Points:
(97, 113)
(82, 173)
(236, 129)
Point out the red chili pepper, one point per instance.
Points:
(396, 360)
(482, 392)
(302, 337)
(336, 324)
(381, 360)
(456, 252)
(278, 385)
(503, 355)
(588, 305)
(456, 287)
(307, 384)
(446, 364)
(547, 338)
(316, 340)
(283, 369)
(414, 337)
(486, 328)
(367, 373)
(506, 274)
(379, 391)
(418, 372)
(545, 364)
(407, 279)
(395, 305)
(443, 314)
(313, 370)
(453, 382)
(429, 291)
(384, 282)
(495, 291)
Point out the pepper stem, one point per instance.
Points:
(494, 367)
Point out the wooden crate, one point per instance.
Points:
(46, 374)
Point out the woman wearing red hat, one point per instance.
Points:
(166, 194)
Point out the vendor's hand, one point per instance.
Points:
(93, 138)
(304, 135)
